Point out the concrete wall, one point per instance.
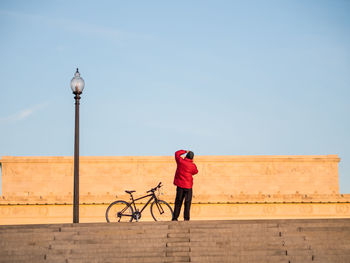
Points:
(219, 177)
(39, 189)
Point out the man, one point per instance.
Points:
(184, 182)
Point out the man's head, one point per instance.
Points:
(190, 155)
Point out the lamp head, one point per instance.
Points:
(77, 83)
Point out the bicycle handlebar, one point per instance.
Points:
(155, 188)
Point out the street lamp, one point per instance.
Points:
(77, 84)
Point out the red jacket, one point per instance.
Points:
(185, 170)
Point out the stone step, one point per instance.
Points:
(112, 254)
(169, 228)
(235, 252)
(203, 250)
(163, 226)
(212, 239)
(79, 240)
(114, 229)
(312, 222)
(199, 259)
(238, 246)
(213, 232)
(312, 239)
(87, 245)
(299, 226)
(136, 238)
(151, 231)
(23, 251)
(183, 246)
(324, 239)
(22, 258)
(313, 233)
(200, 241)
(314, 228)
(330, 258)
(148, 236)
(324, 228)
(130, 260)
(29, 230)
(28, 241)
(6, 234)
(243, 259)
(93, 250)
(281, 222)
(61, 259)
(15, 244)
(184, 257)
(343, 244)
(119, 231)
(195, 241)
(193, 245)
(27, 235)
(110, 227)
(71, 254)
(335, 251)
(234, 227)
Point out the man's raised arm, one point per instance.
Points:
(178, 155)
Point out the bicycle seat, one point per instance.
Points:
(130, 192)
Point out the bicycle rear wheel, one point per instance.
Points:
(161, 211)
(119, 211)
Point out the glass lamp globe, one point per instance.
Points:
(77, 83)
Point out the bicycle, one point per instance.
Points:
(121, 210)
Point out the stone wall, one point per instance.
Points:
(218, 179)
(39, 189)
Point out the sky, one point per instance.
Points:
(216, 77)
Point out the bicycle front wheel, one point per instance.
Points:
(161, 211)
(119, 211)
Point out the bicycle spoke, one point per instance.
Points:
(115, 212)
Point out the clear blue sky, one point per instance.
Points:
(217, 77)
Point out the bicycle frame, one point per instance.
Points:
(153, 196)
(133, 204)
(136, 213)
(130, 210)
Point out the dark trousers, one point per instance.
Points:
(181, 194)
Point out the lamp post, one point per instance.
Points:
(77, 84)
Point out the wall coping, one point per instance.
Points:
(203, 203)
(199, 158)
(237, 199)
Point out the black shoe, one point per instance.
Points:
(174, 219)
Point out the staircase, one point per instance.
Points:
(299, 240)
